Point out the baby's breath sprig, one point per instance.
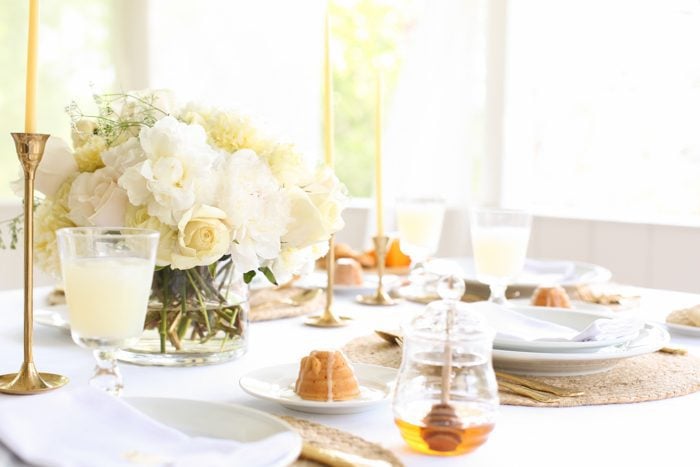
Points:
(119, 115)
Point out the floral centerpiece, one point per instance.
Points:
(229, 202)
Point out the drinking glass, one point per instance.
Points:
(499, 244)
(107, 274)
(420, 226)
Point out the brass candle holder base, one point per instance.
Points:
(380, 297)
(29, 381)
(328, 319)
(30, 150)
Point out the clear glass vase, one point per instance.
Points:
(196, 316)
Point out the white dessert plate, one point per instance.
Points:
(538, 272)
(276, 384)
(319, 279)
(216, 420)
(54, 316)
(650, 339)
(575, 305)
(573, 319)
(682, 329)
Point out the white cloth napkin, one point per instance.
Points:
(84, 427)
(547, 272)
(512, 325)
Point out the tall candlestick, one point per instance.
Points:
(32, 47)
(327, 94)
(378, 156)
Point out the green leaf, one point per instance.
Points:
(268, 274)
(248, 276)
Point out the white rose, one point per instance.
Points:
(96, 199)
(54, 169)
(306, 226)
(203, 237)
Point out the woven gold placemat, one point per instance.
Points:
(324, 436)
(649, 377)
(267, 304)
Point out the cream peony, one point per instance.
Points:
(89, 154)
(256, 208)
(96, 199)
(57, 165)
(203, 237)
(83, 130)
(51, 215)
(177, 168)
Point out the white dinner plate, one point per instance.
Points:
(682, 329)
(54, 316)
(555, 272)
(650, 339)
(575, 305)
(216, 420)
(276, 384)
(571, 318)
(319, 280)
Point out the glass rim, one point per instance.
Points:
(107, 232)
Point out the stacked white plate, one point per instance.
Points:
(567, 358)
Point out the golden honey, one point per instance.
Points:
(472, 437)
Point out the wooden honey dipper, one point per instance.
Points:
(443, 428)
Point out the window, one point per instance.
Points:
(76, 42)
(603, 107)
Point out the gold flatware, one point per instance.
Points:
(335, 458)
(537, 385)
(533, 394)
(297, 299)
(389, 336)
(674, 350)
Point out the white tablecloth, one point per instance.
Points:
(650, 433)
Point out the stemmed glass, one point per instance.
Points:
(499, 244)
(107, 274)
(420, 226)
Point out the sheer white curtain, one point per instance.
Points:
(434, 137)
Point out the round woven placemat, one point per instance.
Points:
(324, 436)
(268, 304)
(649, 377)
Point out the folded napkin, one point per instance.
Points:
(510, 324)
(81, 427)
(547, 272)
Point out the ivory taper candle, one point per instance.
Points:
(378, 155)
(327, 94)
(32, 51)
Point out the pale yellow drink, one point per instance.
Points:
(420, 226)
(499, 253)
(107, 298)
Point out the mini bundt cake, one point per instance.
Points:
(348, 272)
(552, 296)
(326, 375)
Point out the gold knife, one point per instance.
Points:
(335, 458)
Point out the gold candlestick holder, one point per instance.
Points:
(380, 297)
(328, 319)
(30, 149)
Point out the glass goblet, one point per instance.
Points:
(420, 226)
(499, 245)
(107, 274)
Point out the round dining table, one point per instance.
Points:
(657, 433)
